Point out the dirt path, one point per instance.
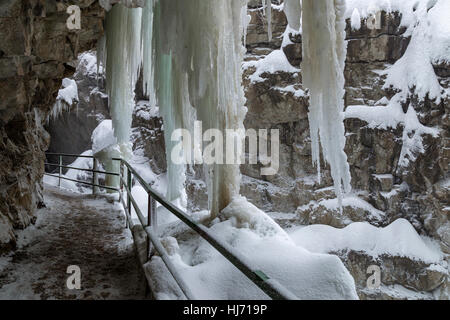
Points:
(80, 230)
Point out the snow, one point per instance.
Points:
(141, 197)
(428, 24)
(378, 117)
(298, 93)
(69, 93)
(72, 230)
(352, 201)
(103, 137)
(356, 20)
(415, 70)
(146, 110)
(412, 138)
(243, 214)
(275, 62)
(398, 239)
(391, 116)
(105, 147)
(399, 292)
(67, 97)
(82, 163)
(259, 240)
(88, 62)
(286, 36)
(406, 8)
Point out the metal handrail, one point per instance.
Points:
(82, 169)
(269, 286)
(83, 182)
(69, 155)
(94, 184)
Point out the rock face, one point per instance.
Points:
(148, 136)
(384, 189)
(36, 49)
(373, 153)
(71, 131)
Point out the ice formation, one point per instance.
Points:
(259, 239)
(198, 55)
(67, 97)
(356, 20)
(190, 54)
(267, 6)
(121, 57)
(147, 50)
(429, 44)
(413, 74)
(293, 11)
(324, 54)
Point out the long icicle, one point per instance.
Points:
(204, 39)
(122, 59)
(324, 53)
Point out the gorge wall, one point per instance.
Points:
(418, 192)
(384, 189)
(36, 51)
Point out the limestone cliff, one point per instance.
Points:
(36, 51)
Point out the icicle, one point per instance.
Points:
(268, 8)
(293, 11)
(203, 40)
(245, 18)
(122, 62)
(324, 53)
(147, 50)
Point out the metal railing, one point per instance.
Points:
(94, 183)
(269, 286)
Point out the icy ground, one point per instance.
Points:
(77, 230)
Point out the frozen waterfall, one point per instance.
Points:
(121, 55)
(324, 54)
(198, 52)
(190, 53)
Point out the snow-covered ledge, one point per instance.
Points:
(105, 148)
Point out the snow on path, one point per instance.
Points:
(74, 229)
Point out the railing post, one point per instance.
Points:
(60, 171)
(151, 215)
(121, 181)
(129, 182)
(94, 176)
(151, 220)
